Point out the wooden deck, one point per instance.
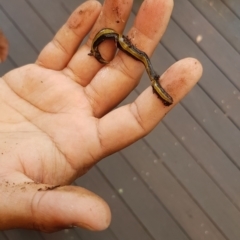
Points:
(181, 182)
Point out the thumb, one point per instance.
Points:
(49, 208)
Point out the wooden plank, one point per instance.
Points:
(30, 25)
(219, 123)
(222, 94)
(197, 183)
(180, 46)
(2, 236)
(234, 5)
(124, 224)
(218, 213)
(218, 128)
(125, 215)
(53, 16)
(207, 154)
(71, 5)
(204, 106)
(103, 235)
(20, 51)
(207, 114)
(147, 208)
(212, 119)
(224, 20)
(214, 83)
(159, 63)
(21, 234)
(186, 212)
(208, 39)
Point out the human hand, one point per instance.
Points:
(3, 47)
(57, 119)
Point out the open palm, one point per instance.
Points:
(57, 119)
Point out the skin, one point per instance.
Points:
(58, 122)
(3, 47)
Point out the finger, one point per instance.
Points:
(118, 78)
(3, 47)
(114, 15)
(50, 208)
(129, 123)
(60, 50)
